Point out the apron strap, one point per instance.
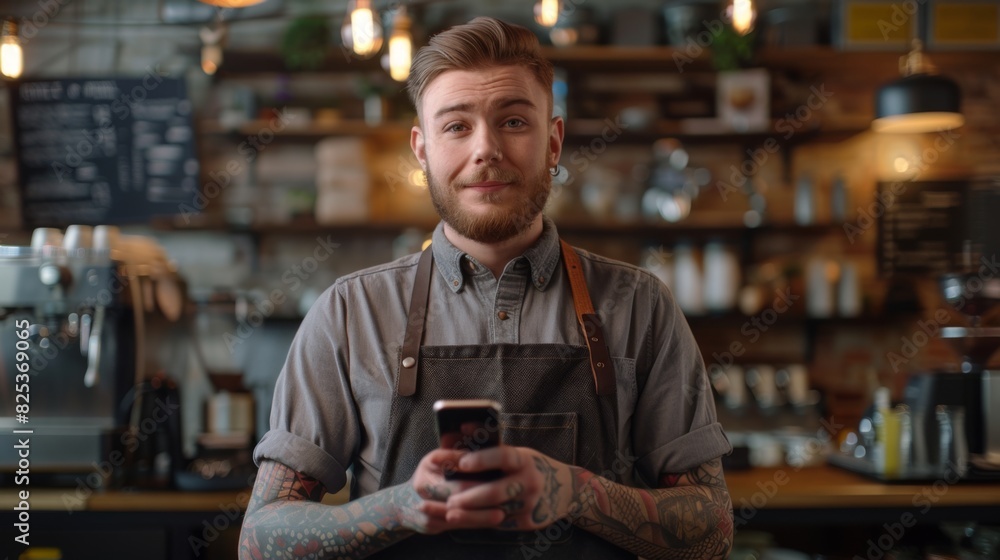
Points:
(409, 358)
(590, 323)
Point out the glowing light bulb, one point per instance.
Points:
(400, 47)
(742, 13)
(362, 29)
(11, 55)
(547, 12)
(211, 58)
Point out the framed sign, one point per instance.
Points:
(877, 24)
(935, 227)
(967, 24)
(104, 150)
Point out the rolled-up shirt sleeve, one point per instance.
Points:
(314, 422)
(675, 427)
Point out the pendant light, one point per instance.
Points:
(232, 3)
(212, 41)
(362, 30)
(547, 12)
(920, 101)
(400, 46)
(742, 14)
(11, 55)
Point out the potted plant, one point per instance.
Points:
(306, 42)
(743, 92)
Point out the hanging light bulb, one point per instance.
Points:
(742, 14)
(11, 55)
(211, 49)
(400, 46)
(232, 3)
(547, 12)
(362, 30)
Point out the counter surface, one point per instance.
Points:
(831, 487)
(778, 488)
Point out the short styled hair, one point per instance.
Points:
(484, 42)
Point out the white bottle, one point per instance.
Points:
(722, 277)
(804, 201)
(687, 280)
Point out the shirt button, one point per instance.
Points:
(454, 283)
(502, 315)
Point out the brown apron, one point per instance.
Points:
(555, 398)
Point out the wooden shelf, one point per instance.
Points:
(312, 131)
(695, 227)
(716, 131)
(815, 58)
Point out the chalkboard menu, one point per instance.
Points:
(935, 227)
(104, 150)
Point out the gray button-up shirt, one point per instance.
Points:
(332, 399)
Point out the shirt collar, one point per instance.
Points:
(542, 257)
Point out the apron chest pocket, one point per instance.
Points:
(552, 433)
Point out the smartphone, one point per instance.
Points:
(471, 425)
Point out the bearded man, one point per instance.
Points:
(610, 444)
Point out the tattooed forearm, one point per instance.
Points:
(690, 517)
(283, 519)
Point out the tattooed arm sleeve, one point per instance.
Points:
(285, 520)
(690, 516)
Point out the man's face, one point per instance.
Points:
(486, 142)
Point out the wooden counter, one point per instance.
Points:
(777, 488)
(831, 487)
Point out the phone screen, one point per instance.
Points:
(469, 425)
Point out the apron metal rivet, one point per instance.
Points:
(408, 362)
(594, 338)
(600, 364)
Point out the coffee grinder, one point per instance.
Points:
(947, 231)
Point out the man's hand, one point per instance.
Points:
(429, 491)
(535, 491)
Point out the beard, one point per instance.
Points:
(511, 210)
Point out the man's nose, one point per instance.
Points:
(487, 147)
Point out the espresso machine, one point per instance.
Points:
(75, 307)
(942, 235)
(956, 411)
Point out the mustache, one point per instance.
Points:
(493, 174)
